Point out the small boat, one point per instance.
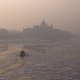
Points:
(22, 53)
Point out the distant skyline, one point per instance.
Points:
(19, 14)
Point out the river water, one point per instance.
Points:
(46, 60)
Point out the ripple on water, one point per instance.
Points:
(4, 78)
(48, 66)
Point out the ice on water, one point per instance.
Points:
(48, 60)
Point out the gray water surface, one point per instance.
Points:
(47, 61)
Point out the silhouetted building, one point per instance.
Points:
(38, 30)
(45, 31)
(4, 34)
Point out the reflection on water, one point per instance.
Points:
(46, 61)
(3, 47)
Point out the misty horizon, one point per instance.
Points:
(39, 39)
(63, 14)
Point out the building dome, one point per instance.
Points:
(43, 24)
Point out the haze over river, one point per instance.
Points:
(46, 60)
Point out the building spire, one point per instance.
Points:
(51, 24)
(47, 24)
(43, 23)
(33, 25)
(43, 19)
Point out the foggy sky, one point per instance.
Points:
(19, 14)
